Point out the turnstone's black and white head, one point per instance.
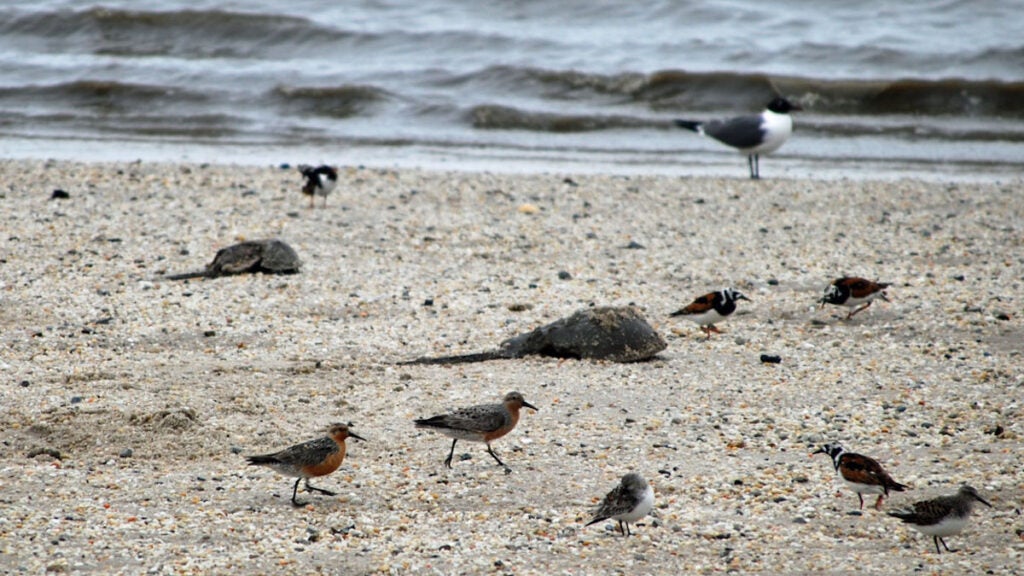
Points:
(862, 474)
(942, 516)
(320, 181)
(711, 308)
(628, 502)
(852, 291)
(752, 135)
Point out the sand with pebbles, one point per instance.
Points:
(130, 401)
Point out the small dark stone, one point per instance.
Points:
(76, 399)
(854, 513)
(1002, 316)
(959, 277)
(284, 166)
(236, 450)
(800, 521)
(801, 479)
(59, 194)
(773, 282)
(563, 275)
(25, 384)
(779, 499)
(769, 359)
(570, 182)
(126, 453)
(209, 333)
(428, 302)
(634, 245)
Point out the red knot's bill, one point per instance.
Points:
(862, 474)
(483, 423)
(628, 502)
(311, 459)
(942, 516)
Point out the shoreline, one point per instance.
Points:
(102, 357)
(710, 163)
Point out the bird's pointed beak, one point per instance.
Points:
(528, 405)
(816, 452)
(983, 501)
(356, 436)
(742, 297)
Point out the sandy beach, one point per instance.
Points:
(129, 402)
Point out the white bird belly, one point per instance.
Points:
(777, 129)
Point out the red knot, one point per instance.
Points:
(310, 459)
(483, 423)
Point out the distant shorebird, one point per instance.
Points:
(628, 502)
(311, 459)
(711, 308)
(852, 291)
(484, 423)
(942, 516)
(320, 181)
(752, 135)
(864, 475)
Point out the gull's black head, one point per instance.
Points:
(780, 105)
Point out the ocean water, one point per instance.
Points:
(919, 88)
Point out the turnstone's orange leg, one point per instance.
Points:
(861, 309)
(713, 328)
(878, 503)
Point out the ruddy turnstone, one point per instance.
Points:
(320, 181)
(711, 308)
(753, 134)
(852, 291)
(864, 475)
(310, 459)
(628, 502)
(483, 423)
(942, 516)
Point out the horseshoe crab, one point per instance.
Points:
(618, 334)
(266, 256)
